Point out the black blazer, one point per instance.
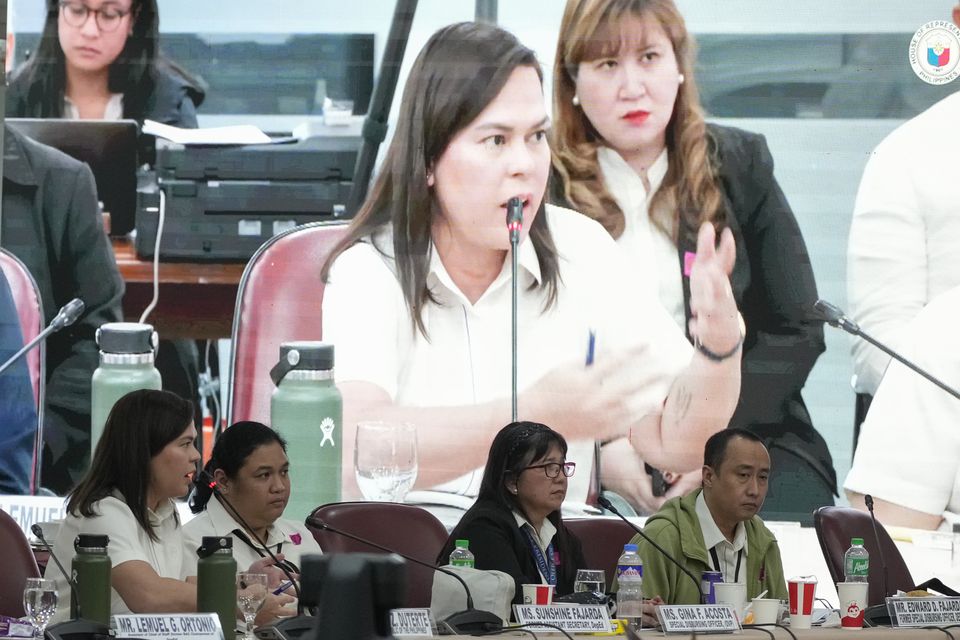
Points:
(775, 290)
(497, 543)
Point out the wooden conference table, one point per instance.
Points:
(779, 634)
(196, 299)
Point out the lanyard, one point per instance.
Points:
(289, 566)
(547, 569)
(716, 563)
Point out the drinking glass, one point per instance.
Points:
(385, 460)
(39, 603)
(592, 580)
(251, 594)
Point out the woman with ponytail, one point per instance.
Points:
(631, 150)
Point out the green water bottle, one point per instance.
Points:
(307, 409)
(91, 572)
(217, 582)
(126, 364)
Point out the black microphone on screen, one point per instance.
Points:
(606, 504)
(868, 500)
(514, 226)
(835, 317)
(469, 621)
(207, 478)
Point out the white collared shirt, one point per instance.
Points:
(650, 251)
(112, 111)
(466, 360)
(543, 537)
(283, 536)
(727, 552)
(128, 541)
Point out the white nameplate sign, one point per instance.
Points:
(411, 622)
(923, 612)
(581, 618)
(169, 626)
(702, 618)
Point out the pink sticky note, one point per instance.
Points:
(688, 258)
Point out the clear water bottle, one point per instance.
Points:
(307, 410)
(126, 364)
(630, 586)
(461, 556)
(856, 562)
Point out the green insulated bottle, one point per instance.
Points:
(91, 571)
(217, 582)
(126, 364)
(307, 410)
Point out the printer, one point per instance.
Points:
(222, 202)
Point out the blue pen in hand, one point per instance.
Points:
(286, 585)
(591, 346)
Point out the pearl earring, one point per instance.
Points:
(576, 100)
(681, 78)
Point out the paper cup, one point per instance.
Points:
(733, 594)
(802, 591)
(853, 602)
(766, 611)
(538, 594)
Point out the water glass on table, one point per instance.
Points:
(39, 603)
(592, 580)
(251, 594)
(385, 460)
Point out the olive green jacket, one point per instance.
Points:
(676, 528)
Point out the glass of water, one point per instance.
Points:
(592, 580)
(385, 460)
(251, 594)
(39, 603)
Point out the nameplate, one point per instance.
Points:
(923, 612)
(702, 618)
(583, 618)
(169, 626)
(411, 622)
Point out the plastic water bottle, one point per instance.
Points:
(126, 364)
(630, 586)
(461, 556)
(856, 562)
(217, 582)
(91, 571)
(307, 409)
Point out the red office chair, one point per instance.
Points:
(26, 297)
(279, 300)
(405, 528)
(602, 540)
(835, 527)
(18, 565)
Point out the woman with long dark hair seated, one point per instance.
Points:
(515, 526)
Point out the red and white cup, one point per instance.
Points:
(853, 602)
(538, 594)
(802, 591)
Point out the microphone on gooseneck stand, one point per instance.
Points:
(514, 226)
(67, 315)
(207, 478)
(835, 317)
(868, 500)
(469, 621)
(38, 532)
(606, 504)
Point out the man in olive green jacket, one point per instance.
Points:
(735, 472)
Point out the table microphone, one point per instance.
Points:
(67, 315)
(514, 226)
(606, 504)
(206, 477)
(868, 500)
(469, 621)
(835, 317)
(38, 532)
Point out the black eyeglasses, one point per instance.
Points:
(552, 469)
(75, 14)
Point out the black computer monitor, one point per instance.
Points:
(109, 147)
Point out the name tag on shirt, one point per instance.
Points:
(169, 626)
